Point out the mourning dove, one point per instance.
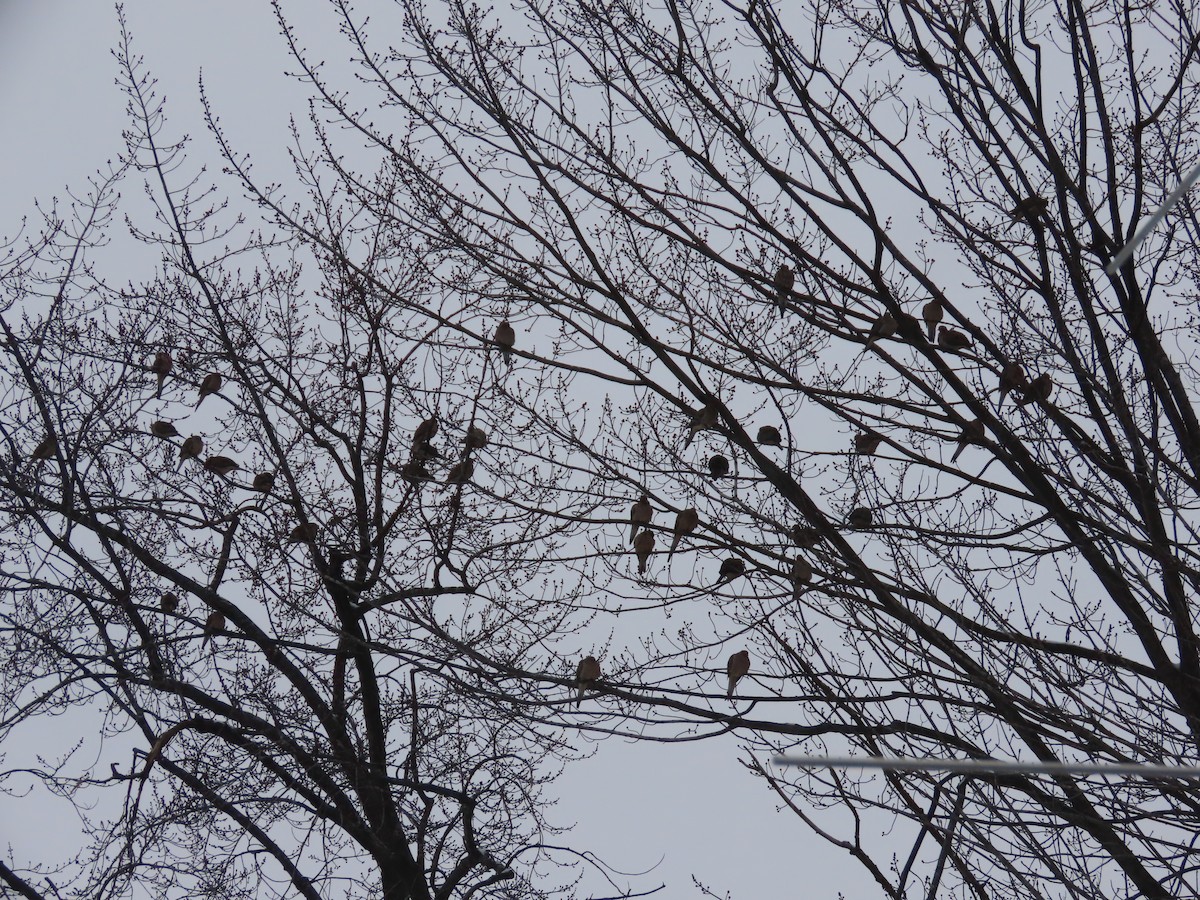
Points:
(461, 472)
(731, 568)
(46, 448)
(972, 433)
(426, 431)
(424, 452)
(587, 673)
(161, 367)
(860, 517)
(805, 536)
(643, 546)
(931, 312)
(213, 625)
(801, 574)
(168, 602)
(210, 384)
(191, 448)
(477, 438)
(737, 668)
(769, 436)
(718, 466)
(640, 515)
(867, 442)
(505, 338)
(951, 339)
(784, 281)
(263, 482)
(703, 419)
(883, 327)
(163, 429)
(686, 521)
(304, 533)
(1029, 209)
(220, 465)
(1012, 377)
(1038, 391)
(414, 472)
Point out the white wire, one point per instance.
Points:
(988, 766)
(1127, 251)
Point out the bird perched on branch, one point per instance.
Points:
(161, 367)
(210, 384)
(220, 465)
(952, 339)
(805, 536)
(163, 429)
(867, 442)
(587, 673)
(263, 482)
(737, 668)
(718, 466)
(168, 602)
(1012, 378)
(1030, 209)
(860, 517)
(784, 281)
(304, 533)
(883, 327)
(643, 546)
(686, 521)
(932, 313)
(1038, 391)
(769, 436)
(414, 472)
(46, 449)
(505, 338)
(461, 472)
(972, 433)
(704, 419)
(801, 574)
(191, 448)
(213, 625)
(731, 568)
(425, 432)
(640, 515)
(477, 438)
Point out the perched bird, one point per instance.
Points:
(191, 448)
(505, 338)
(168, 602)
(161, 367)
(686, 521)
(414, 472)
(163, 429)
(210, 384)
(220, 465)
(424, 451)
(801, 574)
(1012, 378)
(737, 668)
(1029, 209)
(931, 312)
(867, 442)
(425, 432)
(860, 517)
(952, 339)
(702, 420)
(640, 515)
(1038, 390)
(477, 438)
(718, 466)
(587, 673)
(784, 281)
(731, 568)
(769, 436)
(643, 546)
(972, 433)
(46, 448)
(805, 536)
(263, 482)
(213, 625)
(304, 533)
(461, 472)
(883, 327)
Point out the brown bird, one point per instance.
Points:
(477, 438)
(867, 442)
(883, 327)
(1029, 209)
(951, 339)
(784, 281)
(1012, 378)
(221, 465)
(425, 432)
(461, 472)
(191, 448)
(932, 313)
(304, 533)
(737, 668)
(769, 436)
(45, 449)
(263, 482)
(414, 472)
(643, 546)
(805, 536)
(1038, 391)
(731, 568)
(210, 384)
(163, 429)
(587, 673)
(702, 420)
(686, 521)
(168, 602)
(860, 517)
(424, 452)
(161, 367)
(972, 433)
(640, 515)
(801, 574)
(718, 466)
(505, 338)
(213, 625)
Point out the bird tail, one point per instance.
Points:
(158, 393)
(578, 696)
(732, 685)
(932, 331)
(961, 447)
(674, 544)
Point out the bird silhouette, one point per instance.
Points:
(587, 673)
(1012, 378)
(737, 668)
(414, 472)
(703, 419)
(161, 367)
(1029, 209)
(1038, 391)
(46, 449)
(860, 517)
(769, 436)
(640, 515)
(220, 465)
(163, 429)
(718, 466)
(425, 432)
(213, 625)
(263, 482)
(882, 327)
(801, 574)
(951, 339)
(932, 313)
(731, 568)
(867, 442)
(643, 546)
(460, 472)
(304, 533)
(477, 438)
(805, 536)
(686, 521)
(505, 338)
(972, 433)
(168, 602)
(191, 448)
(210, 384)
(784, 281)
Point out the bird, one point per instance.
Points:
(860, 517)
(932, 313)
(640, 515)
(686, 521)
(161, 367)
(805, 536)
(414, 472)
(477, 438)
(883, 327)
(214, 624)
(163, 429)
(210, 384)
(951, 339)
(1012, 377)
(718, 466)
(587, 673)
(867, 442)
(220, 465)
(191, 448)
(46, 448)
(1029, 209)
(769, 436)
(1038, 391)
(802, 572)
(737, 668)
(972, 433)
(505, 338)
(643, 546)
(424, 451)
(304, 533)
(461, 472)
(425, 432)
(703, 419)
(784, 281)
(168, 602)
(731, 568)
(263, 482)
